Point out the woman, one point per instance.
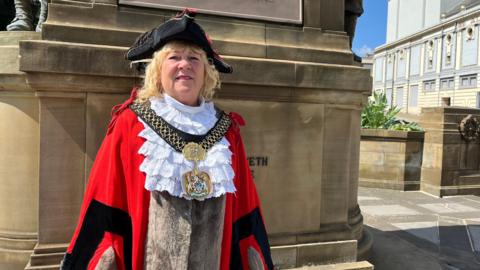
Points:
(170, 187)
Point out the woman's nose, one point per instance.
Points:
(184, 63)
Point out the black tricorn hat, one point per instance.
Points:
(181, 27)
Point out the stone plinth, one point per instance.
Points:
(391, 159)
(296, 86)
(451, 165)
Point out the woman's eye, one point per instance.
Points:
(194, 58)
(174, 57)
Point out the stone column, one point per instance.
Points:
(19, 148)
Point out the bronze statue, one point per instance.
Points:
(25, 16)
(353, 10)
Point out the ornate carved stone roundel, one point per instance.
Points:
(469, 128)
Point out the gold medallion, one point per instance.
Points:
(193, 152)
(197, 184)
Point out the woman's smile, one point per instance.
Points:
(183, 77)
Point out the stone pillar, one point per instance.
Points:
(19, 148)
(62, 163)
(451, 163)
(72, 128)
(19, 173)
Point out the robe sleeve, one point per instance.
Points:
(245, 242)
(104, 223)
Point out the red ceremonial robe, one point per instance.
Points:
(114, 212)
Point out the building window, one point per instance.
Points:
(388, 94)
(413, 96)
(429, 86)
(448, 49)
(379, 69)
(447, 83)
(468, 81)
(389, 75)
(430, 54)
(399, 97)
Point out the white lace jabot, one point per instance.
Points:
(164, 166)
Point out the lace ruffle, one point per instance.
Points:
(164, 166)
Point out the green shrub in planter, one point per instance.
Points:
(377, 114)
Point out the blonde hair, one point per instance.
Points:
(152, 85)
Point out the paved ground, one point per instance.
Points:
(413, 230)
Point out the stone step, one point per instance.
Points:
(253, 71)
(43, 267)
(108, 25)
(50, 248)
(104, 16)
(363, 265)
(472, 179)
(46, 259)
(89, 34)
(125, 38)
(78, 3)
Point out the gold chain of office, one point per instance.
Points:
(172, 136)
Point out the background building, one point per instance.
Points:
(431, 55)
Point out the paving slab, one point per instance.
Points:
(368, 198)
(389, 210)
(427, 230)
(474, 231)
(414, 230)
(441, 208)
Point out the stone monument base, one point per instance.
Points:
(296, 86)
(451, 163)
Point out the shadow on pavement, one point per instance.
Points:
(404, 250)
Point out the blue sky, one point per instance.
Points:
(371, 27)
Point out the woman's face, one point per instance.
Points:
(182, 75)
